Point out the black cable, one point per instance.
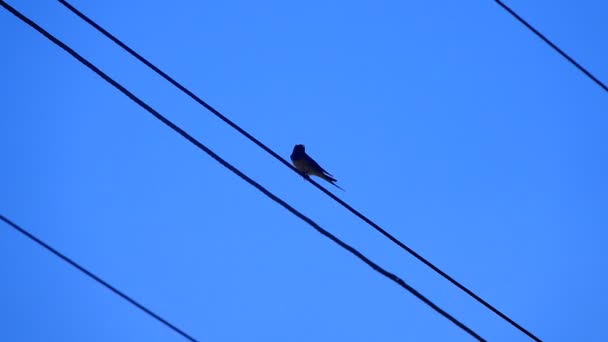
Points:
(94, 277)
(278, 157)
(205, 149)
(555, 47)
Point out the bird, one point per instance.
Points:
(308, 167)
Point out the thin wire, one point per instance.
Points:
(205, 149)
(279, 158)
(555, 47)
(94, 277)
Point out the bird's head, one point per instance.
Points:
(299, 148)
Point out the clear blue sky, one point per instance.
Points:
(449, 124)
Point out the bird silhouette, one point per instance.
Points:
(308, 167)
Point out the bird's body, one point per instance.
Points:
(308, 167)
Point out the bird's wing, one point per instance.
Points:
(316, 165)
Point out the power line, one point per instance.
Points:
(236, 171)
(555, 47)
(93, 276)
(279, 158)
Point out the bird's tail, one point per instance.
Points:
(331, 180)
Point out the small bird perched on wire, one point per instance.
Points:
(308, 167)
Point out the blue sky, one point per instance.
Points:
(449, 124)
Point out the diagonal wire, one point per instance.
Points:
(94, 277)
(279, 158)
(555, 47)
(243, 176)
